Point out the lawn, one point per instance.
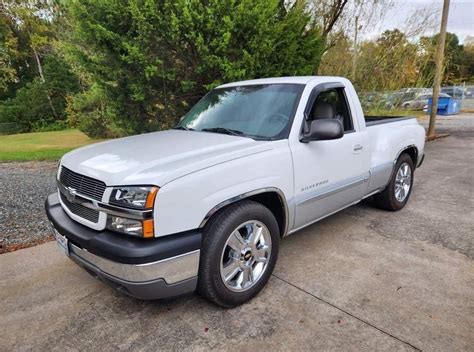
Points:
(41, 145)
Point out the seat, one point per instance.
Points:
(322, 110)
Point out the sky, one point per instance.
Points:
(460, 19)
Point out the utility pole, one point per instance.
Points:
(354, 55)
(439, 69)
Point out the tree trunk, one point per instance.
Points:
(40, 71)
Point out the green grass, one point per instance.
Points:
(394, 112)
(41, 145)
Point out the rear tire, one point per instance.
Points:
(398, 191)
(238, 253)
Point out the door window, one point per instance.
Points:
(332, 104)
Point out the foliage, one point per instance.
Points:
(22, 31)
(392, 61)
(30, 108)
(468, 61)
(41, 145)
(153, 59)
(34, 79)
(457, 60)
(92, 113)
(113, 68)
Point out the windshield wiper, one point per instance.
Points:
(224, 131)
(183, 128)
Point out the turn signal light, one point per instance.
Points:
(148, 230)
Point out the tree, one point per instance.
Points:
(30, 108)
(154, 59)
(389, 62)
(468, 60)
(16, 68)
(34, 79)
(454, 58)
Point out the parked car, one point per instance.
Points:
(205, 205)
(395, 100)
(453, 92)
(420, 102)
(469, 92)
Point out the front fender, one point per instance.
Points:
(188, 202)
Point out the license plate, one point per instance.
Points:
(60, 240)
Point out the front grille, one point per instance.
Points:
(80, 210)
(84, 185)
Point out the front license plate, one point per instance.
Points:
(60, 240)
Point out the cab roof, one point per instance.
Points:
(282, 80)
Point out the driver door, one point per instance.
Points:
(329, 174)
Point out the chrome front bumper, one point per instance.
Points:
(165, 278)
(144, 268)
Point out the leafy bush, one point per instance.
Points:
(154, 59)
(41, 106)
(92, 113)
(29, 107)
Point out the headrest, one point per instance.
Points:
(323, 110)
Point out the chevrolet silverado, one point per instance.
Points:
(203, 206)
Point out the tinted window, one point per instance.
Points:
(261, 111)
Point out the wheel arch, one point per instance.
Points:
(412, 151)
(271, 197)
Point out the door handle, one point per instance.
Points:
(358, 148)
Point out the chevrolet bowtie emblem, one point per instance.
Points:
(71, 194)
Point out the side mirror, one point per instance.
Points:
(323, 130)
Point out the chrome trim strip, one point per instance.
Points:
(324, 216)
(371, 194)
(281, 195)
(333, 189)
(405, 148)
(104, 207)
(172, 270)
(398, 155)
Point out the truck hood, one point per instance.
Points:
(160, 157)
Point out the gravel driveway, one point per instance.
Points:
(24, 187)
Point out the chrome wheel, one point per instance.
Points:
(245, 256)
(402, 182)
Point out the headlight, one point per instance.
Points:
(135, 197)
(130, 226)
(141, 197)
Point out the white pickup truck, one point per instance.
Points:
(204, 205)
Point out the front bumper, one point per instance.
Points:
(143, 268)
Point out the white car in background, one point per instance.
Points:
(420, 102)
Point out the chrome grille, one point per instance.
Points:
(84, 185)
(80, 210)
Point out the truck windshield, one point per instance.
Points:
(256, 111)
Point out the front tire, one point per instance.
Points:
(238, 253)
(398, 191)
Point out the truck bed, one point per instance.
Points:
(379, 120)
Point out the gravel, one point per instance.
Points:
(23, 189)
